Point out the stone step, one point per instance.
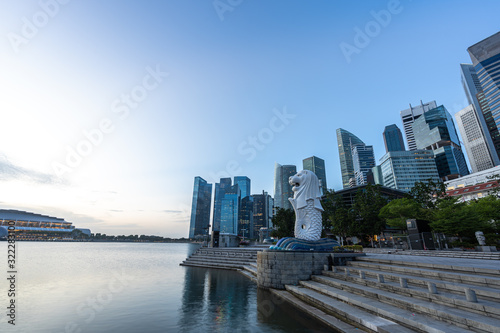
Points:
(329, 320)
(195, 263)
(223, 259)
(252, 270)
(425, 265)
(483, 293)
(450, 254)
(347, 312)
(228, 252)
(482, 307)
(463, 277)
(464, 319)
(248, 275)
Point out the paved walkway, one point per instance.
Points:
(480, 263)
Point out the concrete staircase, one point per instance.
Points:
(378, 295)
(242, 259)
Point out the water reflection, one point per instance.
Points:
(276, 313)
(226, 301)
(215, 300)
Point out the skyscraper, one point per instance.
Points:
(316, 165)
(230, 209)
(402, 169)
(474, 92)
(244, 184)
(200, 208)
(345, 141)
(474, 139)
(262, 212)
(363, 161)
(283, 189)
(485, 56)
(408, 116)
(393, 139)
(220, 189)
(245, 218)
(435, 130)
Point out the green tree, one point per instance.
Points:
(366, 208)
(488, 211)
(495, 191)
(396, 212)
(458, 219)
(284, 222)
(337, 215)
(428, 194)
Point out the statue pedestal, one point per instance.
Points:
(276, 268)
(486, 248)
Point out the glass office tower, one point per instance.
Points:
(282, 188)
(402, 169)
(363, 161)
(485, 56)
(200, 208)
(345, 141)
(409, 116)
(393, 139)
(474, 92)
(220, 189)
(435, 130)
(230, 209)
(316, 165)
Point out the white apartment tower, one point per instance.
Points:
(474, 139)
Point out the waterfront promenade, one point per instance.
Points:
(420, 292)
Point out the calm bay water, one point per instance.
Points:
(135, 287)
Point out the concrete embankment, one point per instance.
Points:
(394, 293)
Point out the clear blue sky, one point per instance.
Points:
(154, 93)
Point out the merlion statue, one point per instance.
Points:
(306, 203)
(480, 238)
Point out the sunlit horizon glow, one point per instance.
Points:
(175, 92)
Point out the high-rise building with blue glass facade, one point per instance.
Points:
(244, 184)
(262, 212)
(409, 116)
(245, 223)
(485, 56)
(245, 218)
(489, 130)
(230, 210)
(316, 165)
(200, 208)
(220, 189)
(393, 139)
(363, 161)
(434, 130)
(402, 169)
(282, 188)
(345, 141)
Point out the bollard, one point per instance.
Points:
(470, 295)
(346, 271)
(380, 278)
(403, 282)
(362, 274)
(325, 267)
(432, 287)
(334, 269)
